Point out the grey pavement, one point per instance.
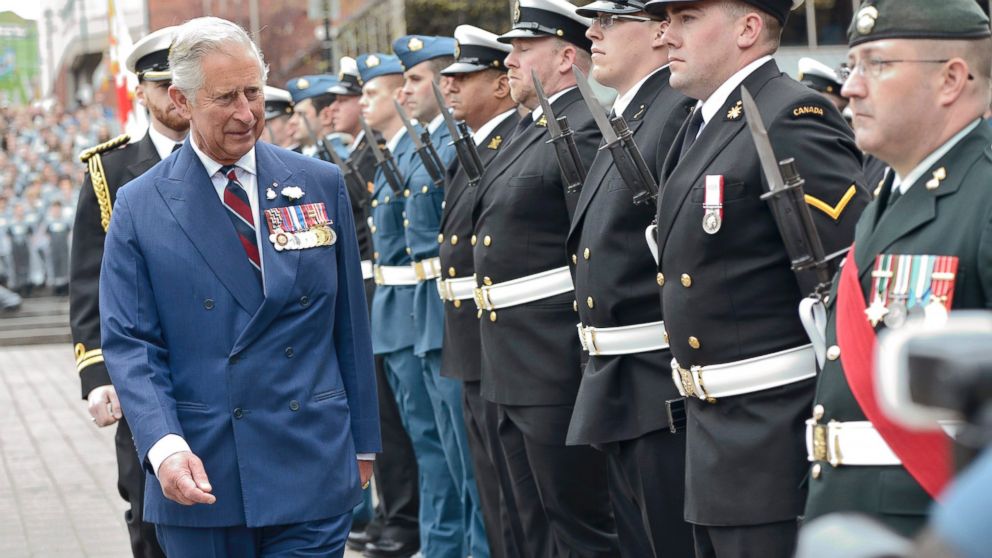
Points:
(58, 472)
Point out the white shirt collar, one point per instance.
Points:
(623, 101)
(245, 163)
(719, 97)
(914, 175)
(536, 114)
(163, 145)
(357, 142)
(435, 124)
(395, 140)
(483, 132)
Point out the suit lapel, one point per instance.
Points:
(279, 268)
(717, 133)
(521, 142)
(146, 159)
(193, 201)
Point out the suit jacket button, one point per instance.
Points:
(234, 359)
(304, 301)
(661, 279)
(238, 413)
(818, 412)
(375, 203)
(694, 343)
(590, 302)
(833, 353)
(474, 239)
(454, 239)
(294, 405)
(208, 304)
(575, 260)
(440, 239)
(457, 303)
(451, 271)
(587, 254)
(816, 471)
(686, 280)
(289, 352)
(487, 241)
(575, 305)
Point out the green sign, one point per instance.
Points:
(20, 63)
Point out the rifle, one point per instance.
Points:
(468, 155)
(352, 176)
(563, 140)
(383, 160)
(424, 147)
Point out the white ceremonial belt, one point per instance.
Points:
(848, 443)
(427, 269)
(368, 271)
(745, 376)
(456, 289)
(524, 289)
(395, 275)
(625, 340)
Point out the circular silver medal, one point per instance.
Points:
(712, 222)
(896, 317)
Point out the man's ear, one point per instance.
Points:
(567, 59)
(659, 32)
(954, 76)
(501, 86)
(139, 93)
(181, 101)
(749, 29)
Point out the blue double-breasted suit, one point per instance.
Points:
(395, 336)
(272, 388)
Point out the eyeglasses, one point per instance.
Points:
(872, 67)
(606, 21)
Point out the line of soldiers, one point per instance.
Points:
(585, 318)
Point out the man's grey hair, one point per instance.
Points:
(199, 37)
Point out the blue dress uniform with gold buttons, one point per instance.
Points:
(394, 336)
(424, 201)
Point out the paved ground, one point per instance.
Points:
(58, 474)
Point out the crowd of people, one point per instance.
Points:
(40, 177)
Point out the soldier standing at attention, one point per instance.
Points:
(920, 248)
(278, 118)
(111, 165)
(620, 404)
(729, 296)
(530, 352)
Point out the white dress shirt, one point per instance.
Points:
(163, 145)
(623, 101)
(483, 132)
(719, 97)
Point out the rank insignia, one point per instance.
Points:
(495, 142)
(640, 112)
(938, 176)
(542, 121)
(736, 111)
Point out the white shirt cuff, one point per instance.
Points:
(366, 457)
(166, 446)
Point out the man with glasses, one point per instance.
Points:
(617, 405)
(740, 354)
(918, 87)
(109, 169)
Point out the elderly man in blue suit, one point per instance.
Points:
(235, 324)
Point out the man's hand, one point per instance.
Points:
(365, 471)
(104, 406)
(184, 480)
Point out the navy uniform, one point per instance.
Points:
(424, 200)
(939, 211)
(477, 50)
(819, 77)
(111, 165)
(729, 299)
(442, 530)
(530, 353)
(619, 406)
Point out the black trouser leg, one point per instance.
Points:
(131, 485)
(769, 540)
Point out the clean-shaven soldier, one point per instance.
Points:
(278, 115)
(394, 336)
(530, 352)
(311, 118)
(395, 517)
(729, 295)
(920, 248)
(259, 421)
(423, 58)
(619, 407)
(479, 95)
(109, 169)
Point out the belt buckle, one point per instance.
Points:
(820, 452)
(593, 348)
(480, 301)
(833, 444)
(688, 386)
(378, 276)
(582, 337)
(448, 292)
(418, 270)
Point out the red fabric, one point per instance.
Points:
(925, 454)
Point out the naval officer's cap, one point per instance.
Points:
(819, 77)
(779, 9)
(371, 66)
(548, 18)
(149, 59)
(278, 102)
(876, 20)
(349, 80)
(307, 87)
(414, 49)
(619, 7)
(476, 50)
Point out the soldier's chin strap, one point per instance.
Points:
(813, 315)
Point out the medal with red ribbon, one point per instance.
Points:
(713, 204)
(300, 226)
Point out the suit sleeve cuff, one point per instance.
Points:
(366, 457)
(166, 446)
(93, 375)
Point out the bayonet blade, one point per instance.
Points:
(449, 121)
(549, 115)
(376, 151)
(769, 164)
(410, 130)
(605, 128)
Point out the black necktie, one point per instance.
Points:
(176, 147)
(695, 123)
(895, 194)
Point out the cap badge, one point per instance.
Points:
(458, 49)
(516, 12)
(302, 83)
(415, 44)
(372, 61)
(866, 19)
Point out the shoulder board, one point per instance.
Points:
(104, 147)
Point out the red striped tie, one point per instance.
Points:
(239, 210)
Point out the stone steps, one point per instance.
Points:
(40, 320)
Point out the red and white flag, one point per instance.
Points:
(132, 117)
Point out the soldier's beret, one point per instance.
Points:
(779, 9)
(876, 20)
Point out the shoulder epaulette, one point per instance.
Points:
(104, 147)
